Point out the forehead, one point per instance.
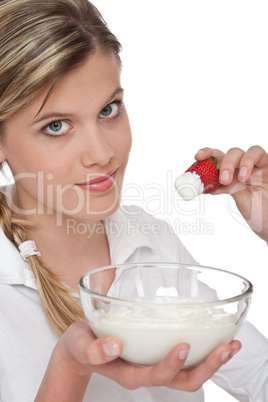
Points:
(85, 88)
(92, 81)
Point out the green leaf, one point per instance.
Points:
(215, 160)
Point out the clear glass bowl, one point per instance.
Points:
(152, 307)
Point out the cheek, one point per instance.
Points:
(22, 156)
(124, 143)
(125, 148)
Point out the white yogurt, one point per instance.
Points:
(189, 185)
(148, 333)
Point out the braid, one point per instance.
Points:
(60, 307)
(42, 42)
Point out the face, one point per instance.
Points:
(69, 156)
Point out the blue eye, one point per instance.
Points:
(111, 110)
(57, 128)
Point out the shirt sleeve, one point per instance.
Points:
(245, 376)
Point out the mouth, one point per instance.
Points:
(100, 184)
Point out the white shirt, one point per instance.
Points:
(26, 339)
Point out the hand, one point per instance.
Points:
(244, 175)
(169, 372)
(82, 354)
(72, 362)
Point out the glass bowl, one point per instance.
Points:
(152, 307)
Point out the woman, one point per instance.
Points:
(66, 138)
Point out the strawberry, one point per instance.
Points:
(201, 178)
(208, 170)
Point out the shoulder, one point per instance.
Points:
(12, 266)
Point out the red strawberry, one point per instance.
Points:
(208, 170)
(201, 177)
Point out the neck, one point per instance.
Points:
(72, 248)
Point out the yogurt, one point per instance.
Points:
(189, 185)
(149, 332)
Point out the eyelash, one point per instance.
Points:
(54, 136)
(118, 102)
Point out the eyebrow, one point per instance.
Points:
(114, 94)
(60, 115)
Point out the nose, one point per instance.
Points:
(95, 148)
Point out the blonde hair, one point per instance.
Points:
(41, 41)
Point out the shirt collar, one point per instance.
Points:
(127, 230)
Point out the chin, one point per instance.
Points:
(105, 211)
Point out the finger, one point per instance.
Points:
(255, 156)
(165, 371)
(159, 375)
(236, 346)
(192, 379)
(207, 152)
(88, 350)
(228, 165)
(104, 350)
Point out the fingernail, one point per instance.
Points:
(111, 349)
(183, 354)
(225, 175)
(243, 172)
(234, 352)
(225, 355)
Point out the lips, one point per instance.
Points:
(100, 184)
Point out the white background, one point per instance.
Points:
(196, 74)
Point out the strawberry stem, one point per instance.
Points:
(215, 160)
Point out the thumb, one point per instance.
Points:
(87, 349)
